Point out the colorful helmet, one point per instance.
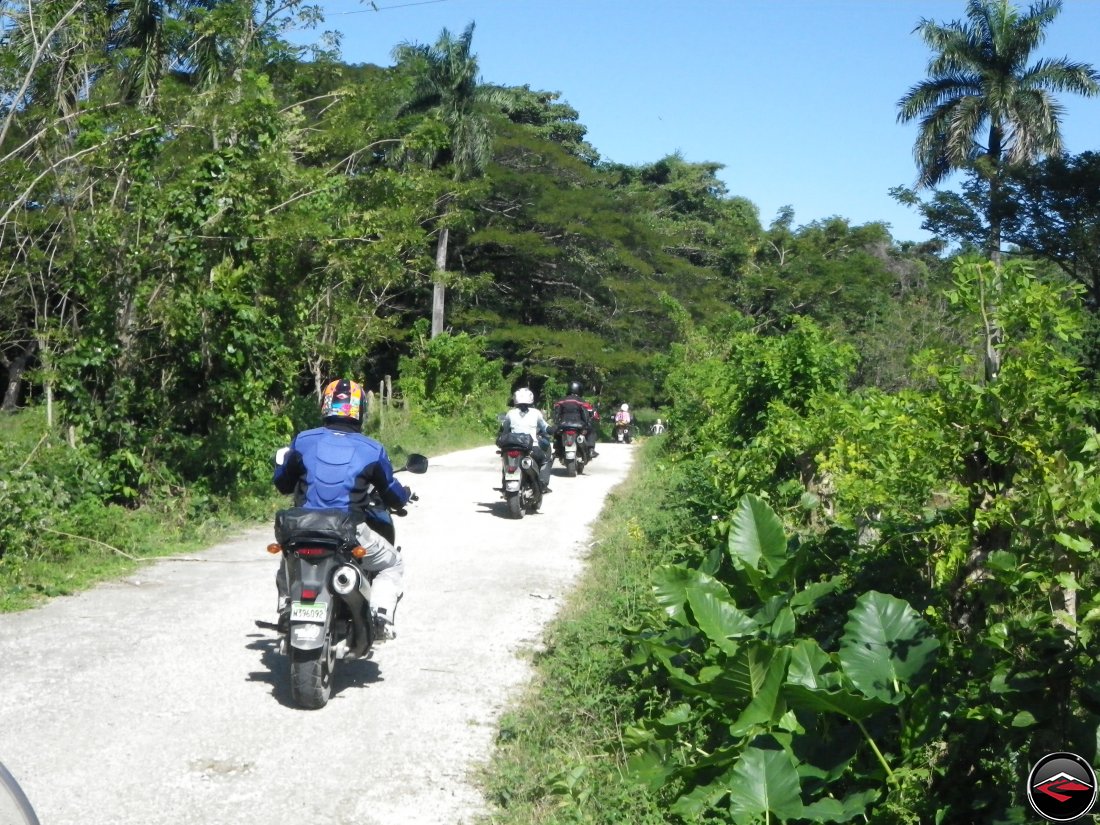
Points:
(524, 396)
(342, 399)
(625, 407)
(575, 388)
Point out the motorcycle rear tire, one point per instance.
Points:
(515, 505)
(311, 675)
(534, 503)
(571, 467)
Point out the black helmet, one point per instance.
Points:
(575, 388)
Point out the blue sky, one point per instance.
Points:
(797, 98)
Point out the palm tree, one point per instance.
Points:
(980, 85)
(445, 85)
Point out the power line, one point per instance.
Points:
(375, 7)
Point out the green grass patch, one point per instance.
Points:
(559, 757)
(59, 535)
(403, 433)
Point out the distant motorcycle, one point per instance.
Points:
(330, 615)
(572, 447)
(623, 433)
(519, 474)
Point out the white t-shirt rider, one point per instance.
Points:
(528, 421)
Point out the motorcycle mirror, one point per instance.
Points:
(417, 463)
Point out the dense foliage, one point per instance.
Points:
(208, 226)
(887, 590)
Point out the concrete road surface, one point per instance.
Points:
(155, 700)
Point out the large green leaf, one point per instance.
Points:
(834, 810)
(848, 704)
(764, 783)
(670, 583)
(758, 671)
(807, 598)
(810, 666)
(716, 614)
(757, 534)
(699, 800)
(886, 644)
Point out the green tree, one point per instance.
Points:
(446, 87)
(980, 84)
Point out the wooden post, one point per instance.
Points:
(381, 404)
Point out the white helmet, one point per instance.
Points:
(525, 396)
(625, 407)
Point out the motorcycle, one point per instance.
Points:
(572, 447)
(623, 433)
(519, 474)
(330, 615)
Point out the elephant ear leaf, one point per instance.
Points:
(886, 646)
(716, 614)
(757, 534)
(764, 784)
(670, 585)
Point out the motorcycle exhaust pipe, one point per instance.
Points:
(350, 584)
(526, 463)
(348, 580)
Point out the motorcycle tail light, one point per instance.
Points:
(309, 595)
(311, 551)
(274, 549)
(514, 454)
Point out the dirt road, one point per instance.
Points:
(156, 701)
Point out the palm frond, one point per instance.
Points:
(1062, 75)
(933, 92)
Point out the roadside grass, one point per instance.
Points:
(57, 538)
(559, 757)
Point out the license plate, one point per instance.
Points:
(308, 612)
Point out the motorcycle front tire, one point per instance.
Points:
(311, 674)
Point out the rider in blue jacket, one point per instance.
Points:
(335, 466)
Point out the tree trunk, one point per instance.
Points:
(438, 289)
(994, 333)
(16, 367)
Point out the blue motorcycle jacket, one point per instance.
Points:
(337, 467)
